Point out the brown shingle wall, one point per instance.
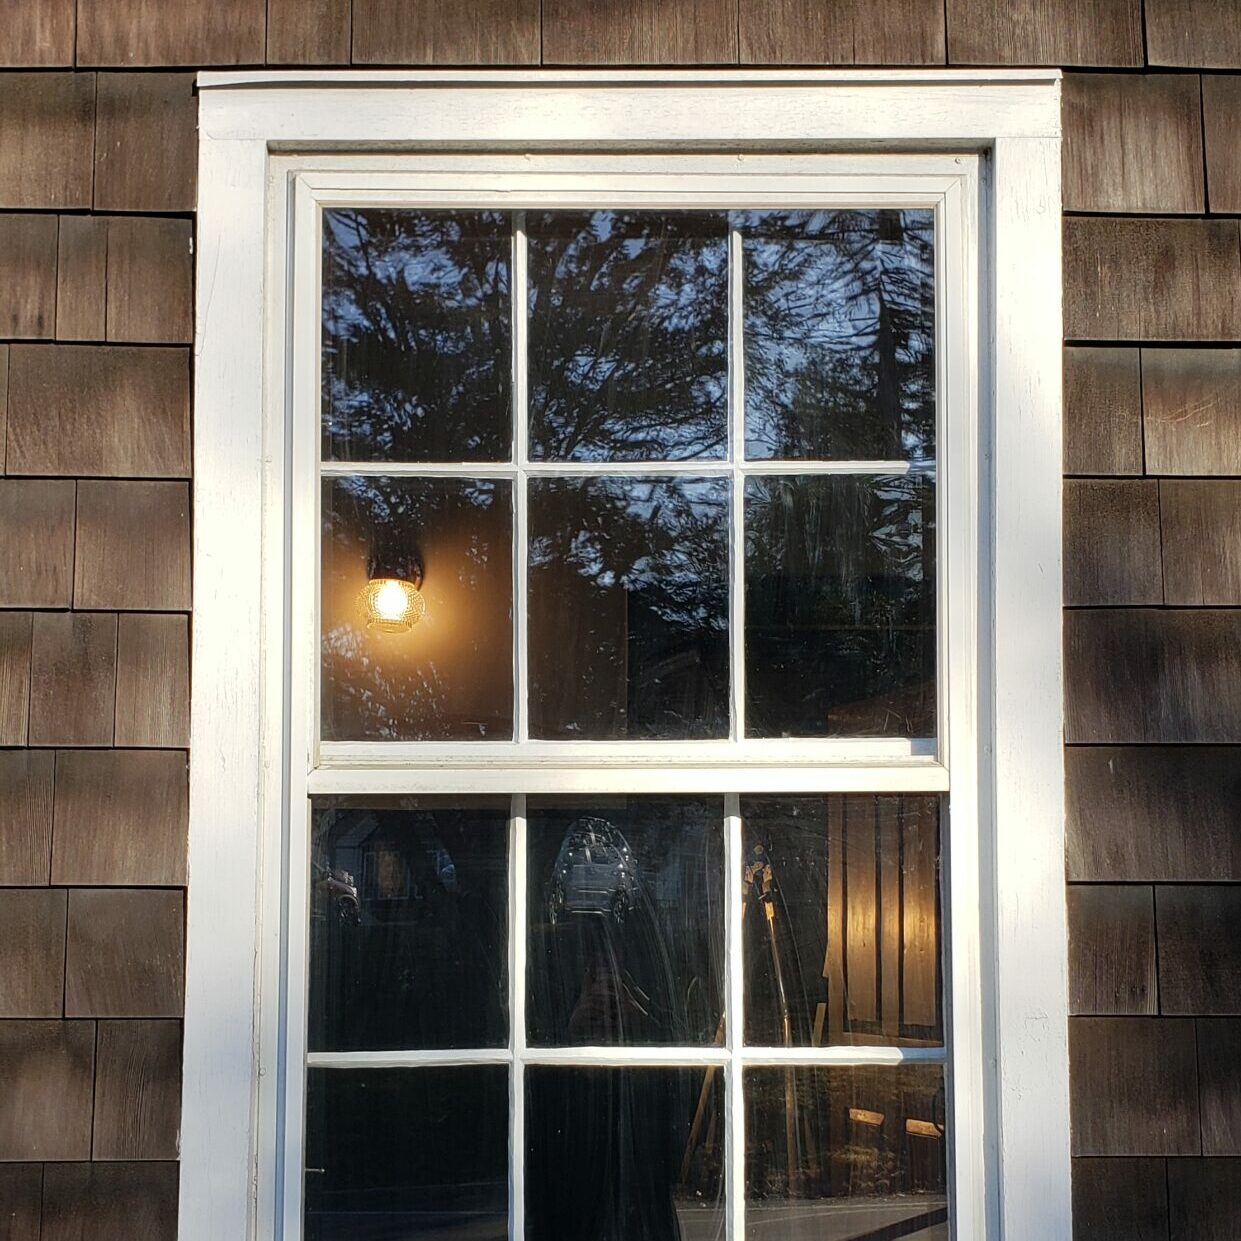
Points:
(97, 165)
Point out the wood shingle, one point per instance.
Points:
(21, 1191)
(1162, 814)
(1134, 676)
(153, 680)
(1102, 411)
(308, 32)
(81, 277)
(1151, 279)
(1219, 1083)
(801, 32)
(150, 280)
(38, 33)
(15, 642)
(171, 32)
(1134, 1086)
(94, 411)
(1199, 928)
(110, 1202)
(36, 550)
(27, 275)
(1201, 533)
(4, 404)
(46, 139)
(32, 952)
(1111, 542)
(426, 32)
(1117, 128)
(26, 783)
(138, 1090)
(120, 818)
(1204, 1199)
(1112, 950)
(1197, 34)
(1120, 1200)
(125, 953)
(146, 142)
(1221, 115)
(47, 1071)
(1191, 402)
(72, 678)
(1045, 32)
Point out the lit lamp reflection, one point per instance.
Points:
(391, 599)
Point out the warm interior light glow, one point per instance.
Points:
(392, 604)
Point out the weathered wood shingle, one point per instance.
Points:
(72, 678)
(47, 1071)
(1118, 128)
(171, 32)
(38, 34)
(1153, 676)
(1199, 949)
(1191, 401)
(125, 953)
(153, 681)
(21, 1191)
(1045, 32)
(46, 139)
(36, 542)
(1143, 814)
(15, 641)
(1151, 279)
(426, 32)
(1111, 542)
(1133, 1086)
(1199, 34)
(120, 818)
(308, 32)
(1112, 950)
(1221, 115)
(146, 142)
(99, 410)
(27, 275)
(110, 1202)
(1201, 534)
(32, 952)
(150, 280)
(81, 277)
(853, 32)
(138, 1090)
(26, 784)
(1219, 1081)
(1204, 1199)
(1120, 1200)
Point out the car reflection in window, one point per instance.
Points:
(593, 874)
(335, 894)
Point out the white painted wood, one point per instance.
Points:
(253, 751)
(734, 1017)
(593, 469)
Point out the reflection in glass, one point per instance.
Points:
(840, 606)
(628, 335)
(450, 678)
(404, 1153)
(628, 607)
(841, 920)
(408, 940)
(626, 921)
(624, 1154)
(837, 1154)
(839, 334)
(416, 336)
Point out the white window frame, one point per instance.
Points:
(984, 148)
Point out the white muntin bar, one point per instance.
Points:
(521, 436)
(736, 454)
(602, 469)
(517, 922)
(734, 1010)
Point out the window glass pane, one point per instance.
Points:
(408, 909)
(450, 677)
(628, 335)
(839, 334)
(841, 935)
(403, 1153)
(840, 606)
(628, 607)
(626, 921)
(624, 1154)
(417, 346)
(845, 1153)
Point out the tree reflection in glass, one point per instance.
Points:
(450, 678)
(628, 607)
(840, 606)
(628, 335)
(416, 335)
(626, 921)
(839, 334)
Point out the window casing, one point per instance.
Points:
(735, 766)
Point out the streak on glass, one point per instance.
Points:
(407, 1154)
(633, 1154)
(841, 927)
(450, 678)
(628, 608)
(845, 1154)
(416, 335)
(626, 921)
(840, 606)
(839, 334)
(408, 909)
(628, 335)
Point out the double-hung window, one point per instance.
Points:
(626, 650)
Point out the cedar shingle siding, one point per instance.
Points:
(97, 114)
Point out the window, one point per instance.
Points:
(638, 851)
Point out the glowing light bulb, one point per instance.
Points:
(392, 604)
